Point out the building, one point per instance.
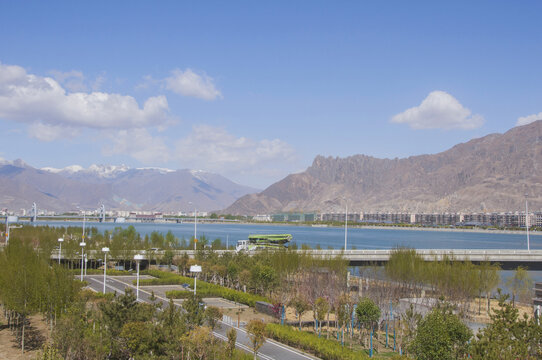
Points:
(295, 217)
(262, 218)
(339, 217)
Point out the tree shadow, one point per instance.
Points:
(33, 338)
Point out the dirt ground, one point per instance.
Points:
(249, 314)
(494, 304)
(37, 335)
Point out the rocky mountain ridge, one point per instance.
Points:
(488, 174)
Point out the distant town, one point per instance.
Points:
(505, 220)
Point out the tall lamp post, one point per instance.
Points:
(195, 269)
(527, 223)
(105, 251)
(7, 229)
(195, 224)
(137, 258)
(82, 244)
(195, 227)
(60, 241)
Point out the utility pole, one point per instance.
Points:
(527, 223)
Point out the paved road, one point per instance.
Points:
(270, 350)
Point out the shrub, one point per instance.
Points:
(204, 289)
(321, 347)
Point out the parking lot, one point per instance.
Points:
(160, 291)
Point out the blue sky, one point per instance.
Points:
(256, 90)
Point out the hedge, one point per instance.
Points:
(311, 343)
(205, 289)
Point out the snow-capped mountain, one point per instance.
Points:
(117, 187)
(101, 171)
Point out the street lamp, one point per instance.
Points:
(82, 244)
(60, 240)
(137, 258)
(195, 269)
(195, 225)
(105, 250)
(527, 223)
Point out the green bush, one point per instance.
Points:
(204, 289)
(311, 343)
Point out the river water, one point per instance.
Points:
(332, 237)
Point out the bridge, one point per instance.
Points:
(508, 259)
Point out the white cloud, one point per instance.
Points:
(188, 83)
(215, 149)
(529, 119)
(34, 99)
(439, 110)
(139, 144)
(45, 132)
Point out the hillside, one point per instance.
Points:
(492, 173)
(118, 188)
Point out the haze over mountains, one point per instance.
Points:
(117, 187)
(489, 174)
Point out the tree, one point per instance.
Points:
(212, 315)
(264, 277)
(441, 335)
(488, 280)
(508, 336)
(194, 311)
(21, 280)
(256, 333)
(201, 343)
(182, 263)
(300, 306)
(321, 308)
(136, 338)
(408, 325)
(367, 313)
(520, 284)
(230, 345)
(168, 258)
(171, 328)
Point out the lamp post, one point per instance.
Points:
(195, 269)
(137, 258)
(195, 227)
(86, 263)
(60, 240)
(7, 229)
(82, 244)
(84, 220)
(527, 223)
(105, 251)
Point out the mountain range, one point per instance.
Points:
(117, 187)
(488, 174)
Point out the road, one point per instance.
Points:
(270, 350)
